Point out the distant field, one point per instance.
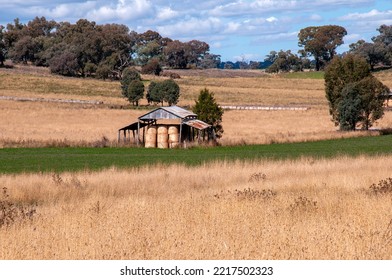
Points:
(45, 123)
(18, 160)
(304, 75)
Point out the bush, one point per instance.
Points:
(167, 91)
(208, 110)
(383, 187)
(135, 92)
(354, 95)
(152, 67)
(128, 75)
(11, 213)
(65, 64)
(171, 75)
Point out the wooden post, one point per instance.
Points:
(144, 135)
(137, 132)
(179, 138)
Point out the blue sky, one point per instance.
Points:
(235, 29)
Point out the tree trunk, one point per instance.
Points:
(317, 64)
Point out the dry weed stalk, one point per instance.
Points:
(382, 187)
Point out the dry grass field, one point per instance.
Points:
(302, 209)
(50, 122)
(292, 209)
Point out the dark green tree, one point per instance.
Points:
(354, 95)
(372, 94)
(165, 91)
(339, 73)
(135, 92)
(154, 94)
(208, 110)
(349, 108)
(285, 61)
(128, 75)
(171, 91)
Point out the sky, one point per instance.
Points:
(238, 30)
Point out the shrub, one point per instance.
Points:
(256, 177)
(208, 110)
(128, 75)
(171, 75)
(11, 212)
(248, 194)
(168, 91)
(152, 67)
(135, 92)
(303, 204)
(383, 187)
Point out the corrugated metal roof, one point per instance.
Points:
(172, 112)
(198, 124)
(134, 126)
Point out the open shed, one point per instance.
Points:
(165, 127)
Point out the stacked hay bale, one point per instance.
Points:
(151, 137)
(163, 137)
(173, 136)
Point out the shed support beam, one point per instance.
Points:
(179, 138)
(137, 132)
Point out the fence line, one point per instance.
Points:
(77, 101)
(265, 108)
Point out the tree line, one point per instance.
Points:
(87, 49)
(319, 48)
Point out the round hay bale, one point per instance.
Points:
(151, 138)
(150, 144)
(173, 129)
(152, 130)
(173, 145)
(163, 138)
(163, 145)
(162, 129)
(173, 138)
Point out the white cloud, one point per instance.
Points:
(124, 10)
(191, 27)
(166, 13)
(262, 7)
(316, 17)
(366, 23)
(100, 11)
(232, 27)
(272, 19)
(372, 15)
(62, 10)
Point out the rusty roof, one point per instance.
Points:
(198, 124)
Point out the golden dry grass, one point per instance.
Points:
(302, 209)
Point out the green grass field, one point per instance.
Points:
(18, 160)
(304, 75)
